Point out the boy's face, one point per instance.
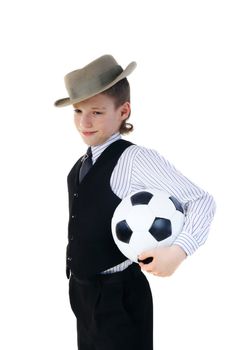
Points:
(96, 118)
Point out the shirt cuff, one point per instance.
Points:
(187, 243)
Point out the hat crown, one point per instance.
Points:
(92, 77)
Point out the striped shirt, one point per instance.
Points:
(139, 168)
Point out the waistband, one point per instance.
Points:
(130, 272)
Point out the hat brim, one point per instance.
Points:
(67, 101)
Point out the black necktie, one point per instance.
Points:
(86, 164)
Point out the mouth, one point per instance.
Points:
(88, 133)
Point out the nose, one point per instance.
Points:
(85, 121)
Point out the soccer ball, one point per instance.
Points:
(145, 220)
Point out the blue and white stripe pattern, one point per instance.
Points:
(139, 168)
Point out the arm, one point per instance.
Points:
(199, 206)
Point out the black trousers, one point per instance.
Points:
(113, 312)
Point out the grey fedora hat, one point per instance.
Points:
(94, 78)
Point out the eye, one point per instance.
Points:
(97, 113)
(77, 111)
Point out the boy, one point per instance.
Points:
(109, 294)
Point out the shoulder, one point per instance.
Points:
(130, 153)
(138, 157)
(137, 151)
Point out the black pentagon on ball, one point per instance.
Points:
(161, 229)
(123, 231)
(142, 197)
(176, 204)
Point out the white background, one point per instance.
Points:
(181, 106)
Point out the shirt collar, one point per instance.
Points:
(97, 150)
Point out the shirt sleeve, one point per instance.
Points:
(151, 170)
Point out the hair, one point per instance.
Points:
(120, 92)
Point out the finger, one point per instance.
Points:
(147, 268)
(145, 254)
(144, 267)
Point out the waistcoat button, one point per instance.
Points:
(69, 258)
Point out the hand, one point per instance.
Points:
(165, 260)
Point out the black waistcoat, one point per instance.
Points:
(91, 248)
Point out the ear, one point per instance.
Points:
(125, 110)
